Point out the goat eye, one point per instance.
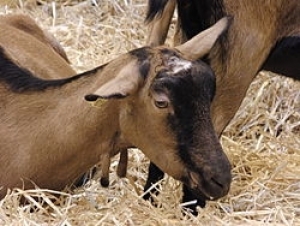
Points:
(161, 104)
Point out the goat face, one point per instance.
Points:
(165, 111)
(188, 148)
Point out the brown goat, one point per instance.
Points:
(264, 35)
(49, 134)
(31, 40)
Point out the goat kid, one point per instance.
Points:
(49, 135)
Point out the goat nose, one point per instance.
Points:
(219, 178)
(213, 186)
(218, 185)
(223, 186)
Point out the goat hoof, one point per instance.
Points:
(104, 182)
(193, 207)
(149, 197)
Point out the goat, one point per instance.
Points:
(29, 34)
(50, 135)
(264, 35)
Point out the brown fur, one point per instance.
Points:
(51, 136)
(28, 31)
(22, 39)
(247, 50)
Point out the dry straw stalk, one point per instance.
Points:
(262, 142)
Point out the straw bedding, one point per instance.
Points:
(262, 142)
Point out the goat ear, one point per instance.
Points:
(123, 84)
(202, 43)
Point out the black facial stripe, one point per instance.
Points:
(191, 94)
(190, 117)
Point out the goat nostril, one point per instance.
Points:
(217, 182)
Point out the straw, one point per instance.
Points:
(262, 142)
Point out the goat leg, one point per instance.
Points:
(121, 170)
(105, 164)
(154, 175)
(189, 196)
(122, 166)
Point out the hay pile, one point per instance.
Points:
(262, 142)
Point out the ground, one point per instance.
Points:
(262, 142)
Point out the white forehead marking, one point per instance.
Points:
(176, 64)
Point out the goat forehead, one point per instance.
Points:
(176, 64)
(191, 79)
(169, 61)
(165, 56)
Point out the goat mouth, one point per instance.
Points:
(203, 195)
(193, 198)
(200, 198)
(196, 198)
(206, 189)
